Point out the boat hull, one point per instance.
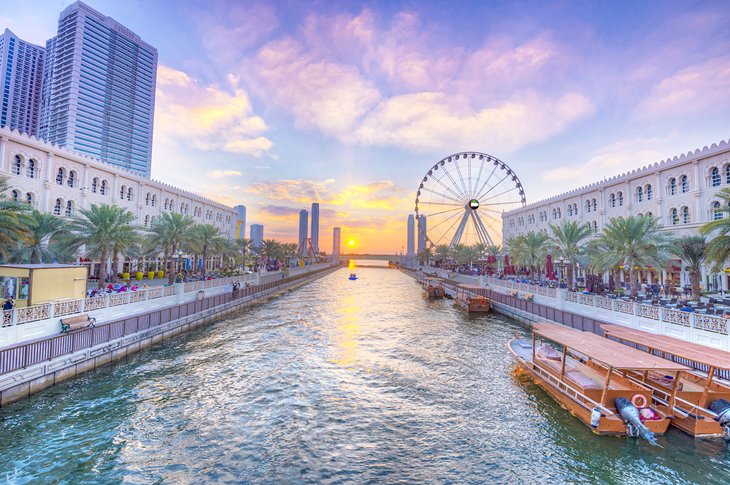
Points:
(608, 425)
(474, 304)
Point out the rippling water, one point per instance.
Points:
(337, 381)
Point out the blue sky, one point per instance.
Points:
(273, 104)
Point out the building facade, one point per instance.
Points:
(241, 222)
(421, 234)
(303, 227)
(680, 192)
(336, 232)
(99, 83)
(257, 235)
(21, 78)
(315, 227)
(410, 238)
(60, 181)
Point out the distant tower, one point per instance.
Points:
(336, 241)
(410, 251)
(241, 210)
(21, 77)
(303, 223)
(315, 227)
(257, 235)
(421, 233)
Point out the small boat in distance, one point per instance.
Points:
(465, 300)
(701, 403)
(352, 277)
(587, 376)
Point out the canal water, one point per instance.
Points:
(338, 381)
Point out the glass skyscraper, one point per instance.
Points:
(21, 76)
(303, 223)
(99, 90)
(315, 227)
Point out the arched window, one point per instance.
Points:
(673, 217)
(71, 178)
(129, 193)
(715, 177)
(154, 200)
(69, 208)
(684, 183)
(595, 226)
(570, 210)
(685, 215)
(672, 186)
(122, 191)
(649, 192)
(172, 205)
(102, 188)
(147, 201)
(639, 194)
(146, 221)
(29, 199)
(94, 185)
(620, 197)
(17, 165)
(559, 214)
(167, 203)
(595, 204)
(575, 208)
(727, 173)
(588, 206)
(716, 211)
(612, 200)
(649, 214)
(57, 207)
(15, 195)
(60, 176)
(30, 170)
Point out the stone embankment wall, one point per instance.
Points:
(30, 367)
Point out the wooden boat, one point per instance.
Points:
(434, 288)
(585, 377)
(467, 300)
(696, 391)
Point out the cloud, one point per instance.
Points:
(699, 89)
(292, 190)
(206, 117)
(217, 174)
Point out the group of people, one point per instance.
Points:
(115, 288)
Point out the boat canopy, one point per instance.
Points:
(699, 353)
(608, 352)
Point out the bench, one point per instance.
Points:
(74, 323)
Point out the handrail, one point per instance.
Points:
(552, 377)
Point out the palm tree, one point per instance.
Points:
(692, 250)
(271, 249)
(718, 248)
(206, 237)
(530, 251)
(102, 230)
(170, 232)
(244, 248)
(496, 251)
(13, 220)
(633, 241)
(566, 243)
(442, 253)
(426, 254)
(42, 242)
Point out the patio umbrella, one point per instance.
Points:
(549, 270)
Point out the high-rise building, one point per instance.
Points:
(21, 78)
(315, 227)
(421, 233)
(303, 223)
(336, 241)
(257, 235)
(410, 246)
(241, 211)
(99, 89)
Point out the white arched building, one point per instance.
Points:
(57, 180)
(680, 191)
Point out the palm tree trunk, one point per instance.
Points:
(205, 256)
(170, 272)
(695, 276)
(569, 276)
(633, 281)
(102, 268)
(115, 265)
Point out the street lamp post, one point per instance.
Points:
(563, 265)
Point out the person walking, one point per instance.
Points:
(9, 303)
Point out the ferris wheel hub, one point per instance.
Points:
(473, 204)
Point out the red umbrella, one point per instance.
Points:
(549, 270)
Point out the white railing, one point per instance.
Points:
(19, 316)
(540, 290)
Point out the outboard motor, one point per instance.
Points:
(721, 407)
(630, 415)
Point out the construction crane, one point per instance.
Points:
(310, 251)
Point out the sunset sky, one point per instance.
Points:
(278, 104)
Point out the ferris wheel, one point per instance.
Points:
(462, 198)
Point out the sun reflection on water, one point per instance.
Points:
(347, 331)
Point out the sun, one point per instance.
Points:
(351, 242)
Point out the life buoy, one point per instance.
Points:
(639, 401)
